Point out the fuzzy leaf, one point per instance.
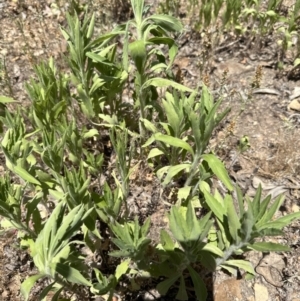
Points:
(122, 269)
(173, 171)
(210, 247)
(199, 285)
(138, 52)
(256, 202)
(91, 27)
(217, 208)
(287, 219)
(241, 264)
(154, 152)
(149, 126)
(161, 82)
(91, 133)
(165, 285)
(271, 210)
(28, 284)
(268, 247)
(21, 172)
(4, 99)
(166, 241)
(167, 22)
(178, 224)
(247, 225)
(233, 220)
(182, 294)
(219, 169)
(71, 274)
(176, 142)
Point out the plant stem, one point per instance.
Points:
(229, 252)
(193, 170)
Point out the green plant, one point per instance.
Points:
(187, 133)
(288, 29)
(53, 254)
(47, 148)
(170, 7)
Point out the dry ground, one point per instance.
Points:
(269, 116)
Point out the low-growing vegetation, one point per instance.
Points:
(73, 154)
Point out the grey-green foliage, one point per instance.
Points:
(184, 137)
(55, 165)
(51, 251)
(97, 77)
(49, 95)
(213, 240)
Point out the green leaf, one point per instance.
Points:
(28, 284)
(208, 260)
(174, 142)
(71, 223)
(287, 219)
(56, 295)
(178, 224)
(91, 27)
(161, 40)
(91, 133)
(26, 176)
(182, 294)
(218, 169)
(137, 50)
(241, 264)
(210, 247)
(45, 291)
(4, 99)
(173, 171)
(71, 274)
(240, 201)
(166, 241)
(268, 247)
(154, 152)
(256, 202)
(122, 269)
(192, 223)
(145, 228)
(161, 82)
(149, 125)
(199, 285)
(138, 8)
(263, 207)
(231, 270)
(233, 220)
(217, 208)
(167, 22)
(165, 285)
(271, 211)
(184, 192)
(270, 225)
(247, 225)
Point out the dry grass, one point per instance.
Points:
(283, 159)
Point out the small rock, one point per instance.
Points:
(261, 292)
(270, 268)
(152, 295)
(228, 290)
(295, 208)
(294, 105)
(233, 290)
(296, 93)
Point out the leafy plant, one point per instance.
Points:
(187, 133)
(51, 251)
(47, 196)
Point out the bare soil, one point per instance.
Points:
(267, 114)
